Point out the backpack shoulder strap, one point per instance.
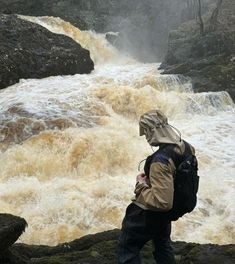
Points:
(168, 151)
(148, 163)
(176, 157)
(187, 150)
(157, 156)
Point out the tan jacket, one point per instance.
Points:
(157, 194)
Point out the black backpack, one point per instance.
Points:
(186, 181)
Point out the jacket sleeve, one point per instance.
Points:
(159, 194)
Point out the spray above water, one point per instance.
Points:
(70, 150)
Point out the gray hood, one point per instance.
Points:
(155, 127)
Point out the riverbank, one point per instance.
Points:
(208, 58)
(98, 248)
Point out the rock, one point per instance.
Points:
(102, 248)
(28, 50)
(112, 37)
(210, 70)
(11, 227)
(208, 59)
(205, 254)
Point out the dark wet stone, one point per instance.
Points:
(28, 50)
(102, 248)
(11, 227)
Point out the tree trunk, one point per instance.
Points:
(200, 21)
(213, 23)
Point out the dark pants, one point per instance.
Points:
(138, 227)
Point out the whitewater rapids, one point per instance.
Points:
(70, 147)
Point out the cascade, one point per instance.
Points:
(70, 146)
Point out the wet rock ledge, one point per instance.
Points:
(28, 50)
(97, 248)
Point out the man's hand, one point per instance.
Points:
(141, 178)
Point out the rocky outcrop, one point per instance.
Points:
(96, 248)
(28, 50)
(11, 227)
(143, 25)
(102, 248)
(208, 59)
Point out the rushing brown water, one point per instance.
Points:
(70, 146)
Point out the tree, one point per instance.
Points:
(213, 22)
(199, 16)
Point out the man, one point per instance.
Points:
(147, 216)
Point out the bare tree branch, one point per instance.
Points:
(199, 15)
(213, 23)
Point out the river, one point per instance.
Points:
(70, 147)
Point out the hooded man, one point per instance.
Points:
(147, 216)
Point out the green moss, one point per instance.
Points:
(230, 250)
(95, 254)
(102, 248)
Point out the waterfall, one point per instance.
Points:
(70, 146)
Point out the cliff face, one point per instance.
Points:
(209, 59)
(143, 26)
(28, 50)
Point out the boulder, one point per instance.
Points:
(28, 50)
(11, 227)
